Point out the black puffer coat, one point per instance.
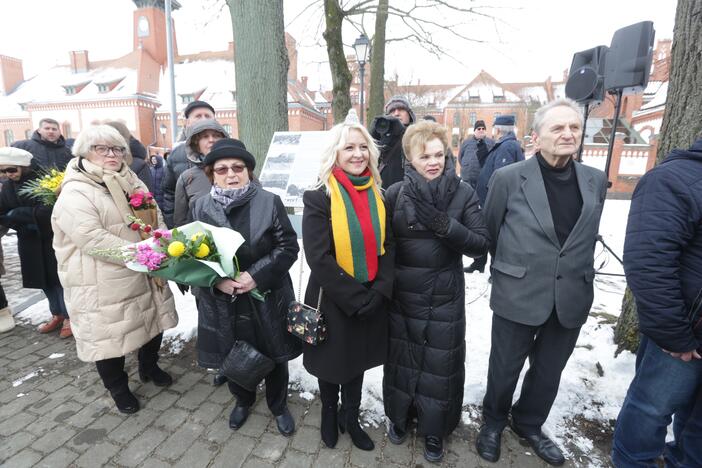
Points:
(426, 357)
(176, 164)
(352, 345)
(46, 154)
(32, 221)
(268, 253)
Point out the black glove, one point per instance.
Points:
(429, 216)
(183, 288)
(374, 303)
(21, 215)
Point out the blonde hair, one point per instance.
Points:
(339, 136)
(417, 135)
(97, 133)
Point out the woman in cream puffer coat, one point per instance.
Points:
(114, 310)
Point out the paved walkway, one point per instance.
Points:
(54, 411)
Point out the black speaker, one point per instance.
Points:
(628, 61)
(585, 82)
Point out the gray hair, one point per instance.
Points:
(560, 102)
(503, 129)
(97, 134)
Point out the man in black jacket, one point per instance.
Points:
(388, 130)
(47, 145)
(663, 266)
(178, 161)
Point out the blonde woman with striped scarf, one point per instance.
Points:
(348, 245)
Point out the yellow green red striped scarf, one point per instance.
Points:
(358, 223)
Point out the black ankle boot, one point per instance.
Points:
(358, 435)
(125, 401)
(433, 449)
(157, 375)
(329, 430)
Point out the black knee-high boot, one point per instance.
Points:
(351, 402)
(329, 393)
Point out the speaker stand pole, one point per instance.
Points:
(615, 123)
(582, 139)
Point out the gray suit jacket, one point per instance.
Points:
(531, 272)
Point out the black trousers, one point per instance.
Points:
(548, 348)
(3, 298)
(276, 390)
(350, 393)
(111, 370)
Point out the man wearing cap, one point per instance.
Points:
(543, 215)
(505, 152)
(388, 130)
(178, 160)
(474, 152)
(47, 145)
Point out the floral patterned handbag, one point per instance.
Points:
(307, 323)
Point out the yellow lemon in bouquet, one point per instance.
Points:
(176, 249)
(202, 251)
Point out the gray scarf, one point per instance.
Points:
(227, 196)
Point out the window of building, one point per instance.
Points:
(228, 129)
(9, 137)
(497, 114)
(70, 90)
(498, 99)
(66, 130)
(187, 98)
(457, 119)
(103, 87)
(473, 118)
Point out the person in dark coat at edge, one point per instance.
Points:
(663, 266)
(193, 183)
(436, 220)
(474, 152)
(47, 145)
(177, 160)
(349, 249)
(136, 158)
(237, 201)
(505, 152)
(543, 215)
(156, 166)
(32, 221)
(387, 130)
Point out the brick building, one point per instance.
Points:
(135, 88)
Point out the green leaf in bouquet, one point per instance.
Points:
(188, 271)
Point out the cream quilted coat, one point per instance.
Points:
(113, 310)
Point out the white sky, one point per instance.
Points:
(530, 41)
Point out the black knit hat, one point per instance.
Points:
(230, 148)
(194, 105)
(479, 124)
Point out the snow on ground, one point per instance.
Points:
(583, 391)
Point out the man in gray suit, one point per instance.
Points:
(543, 215)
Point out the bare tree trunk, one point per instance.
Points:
(681, 125)
(376, 100)
(261, 62)
(341, 76)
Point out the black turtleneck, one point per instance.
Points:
(563, 194)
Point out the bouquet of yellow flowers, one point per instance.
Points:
(45, 187)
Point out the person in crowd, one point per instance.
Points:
(47, 145)
(429, 117)
(156, 167)
(193, 183)
(177, 160)
(236, 200)
(436, 220)
(541, 293)
(32, 221)
(349, 249)
(7, 321)
(506, 151)
(136, 161)
(388, 131)
(114, 310)
(474, 152)
(663, 266)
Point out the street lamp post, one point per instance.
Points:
(361, 46)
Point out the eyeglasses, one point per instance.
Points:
(9, 170)
(236, 169)
(103, 150)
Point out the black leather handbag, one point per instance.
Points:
(245, 365)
